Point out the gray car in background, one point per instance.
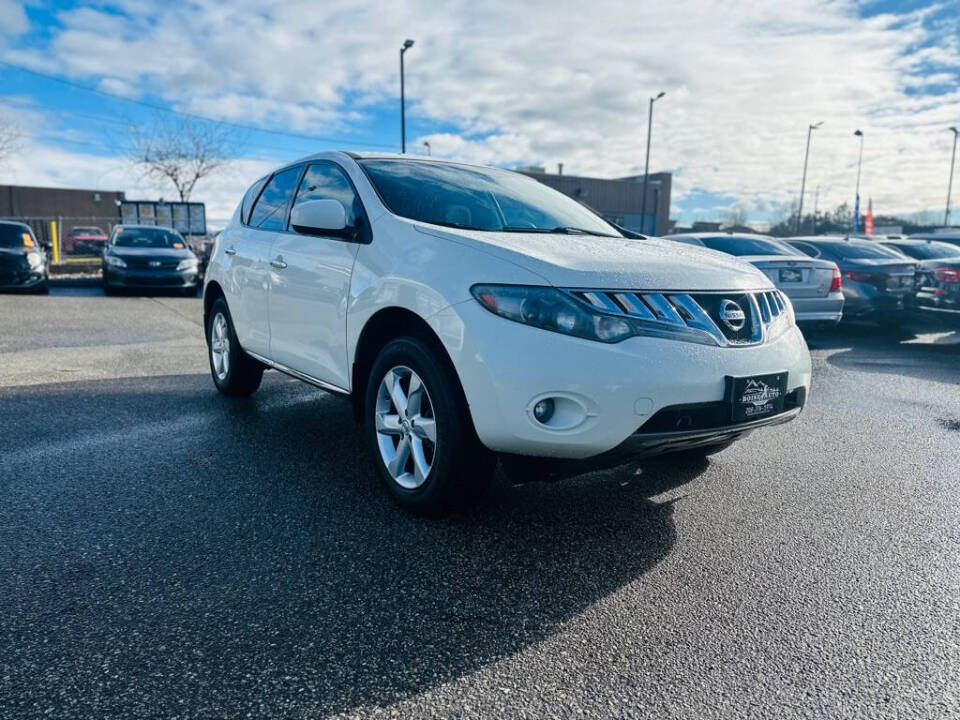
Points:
(813, 286)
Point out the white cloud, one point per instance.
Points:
(565, 82)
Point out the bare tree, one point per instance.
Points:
(180, 150)
(9, 139)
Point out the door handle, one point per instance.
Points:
(278, 262)
(231, 250)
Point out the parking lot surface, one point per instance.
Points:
(169, 552)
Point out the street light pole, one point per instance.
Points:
(803, 183)
(856, 204)
(407, 44)
(953, 159)
(646, 167)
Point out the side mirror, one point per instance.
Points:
(319, 217)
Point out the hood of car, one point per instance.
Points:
(146, 252)
(589, 261)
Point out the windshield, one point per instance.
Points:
(86, 231)
(12, 236)
(147, 238)
(740, 245)
(477, 198)
(929, 250)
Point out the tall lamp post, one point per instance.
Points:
(856, 203)
(803, 183)
(646, 167)
(407, 44)
(953, 159)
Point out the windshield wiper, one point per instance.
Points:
(559, 230)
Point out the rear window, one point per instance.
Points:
(928, 251)
(147, 238)
(11, 236)
(739, 245)
(86, 231)
(863, 251)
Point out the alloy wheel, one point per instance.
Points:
(406, 427)
(220, 346)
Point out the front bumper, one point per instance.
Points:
(22, 279)
(506, 367)
(125, 277)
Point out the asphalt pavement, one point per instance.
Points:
(169, 552)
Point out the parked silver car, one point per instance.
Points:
(813, 286)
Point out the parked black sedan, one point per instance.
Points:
(144, 256)
(936, 295)
(876, 280)
(23, 262)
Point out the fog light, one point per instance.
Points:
(543, 411)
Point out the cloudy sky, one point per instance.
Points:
(503, 82)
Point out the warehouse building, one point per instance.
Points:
(40, 205)
(618, 200)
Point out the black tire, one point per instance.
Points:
(242, 374)
(459, 464)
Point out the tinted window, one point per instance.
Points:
(863, 250)
(739, 245)
(928, 250)
(477, 198)
(806, 248)
(248, 199)
(147, 238)
(328, 182)
(270, 212)
(11, 236)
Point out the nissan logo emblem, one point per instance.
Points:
(732, 315)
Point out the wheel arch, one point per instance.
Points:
(211, 293)
(382, 327)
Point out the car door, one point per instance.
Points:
(310, 283)
(248, 248)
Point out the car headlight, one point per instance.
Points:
(188, 264)
(114, 261)
(550, 309)
(34, 260)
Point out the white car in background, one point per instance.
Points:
(813, 286)
(471, 313)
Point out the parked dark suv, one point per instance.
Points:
(23, 262)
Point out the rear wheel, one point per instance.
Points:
(419, 431)
(234, 372)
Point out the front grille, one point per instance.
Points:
(703, 314)
(144, 264)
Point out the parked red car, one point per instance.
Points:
(85, 241)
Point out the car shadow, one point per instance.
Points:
(895, 352)
(168, 549)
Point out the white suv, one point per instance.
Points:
(472, 313)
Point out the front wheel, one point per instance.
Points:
(234, 372)
(419, 430)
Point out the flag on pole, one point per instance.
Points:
(868, 222)
(856, 215)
